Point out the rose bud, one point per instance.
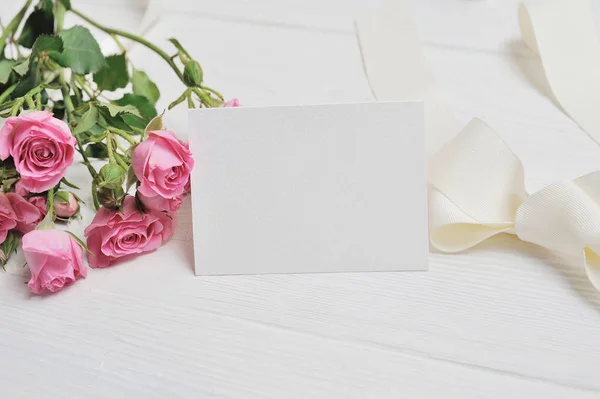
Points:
(112, 176)
(192, 74)
(232, 103)
(65, 204)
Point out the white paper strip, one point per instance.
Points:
(562, 32)
(399, 73)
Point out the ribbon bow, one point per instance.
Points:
(478, 191)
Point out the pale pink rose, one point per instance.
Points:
(27, 214)
(113, 235)
(42, 147)
(40, 203)
(66, 209)
(19, 189)
(162, 163)
(8, 217)
(54, 258)
(232, 103)
(158, 203)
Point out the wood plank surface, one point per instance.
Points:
(506, 319)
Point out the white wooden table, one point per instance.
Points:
(505, 319)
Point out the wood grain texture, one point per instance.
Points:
(505, 319)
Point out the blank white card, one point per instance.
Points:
(306, 189)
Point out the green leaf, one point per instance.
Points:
(115, 109)
(8, 247)
(66, 3)
(136, 123)
(68, 183)
(61, 196)
(131, 179)
(81, 51)
(143, 105)
(87, 121)
(95, 138)
(96, 150)
(114, 75)
(31, 80)
(47, 44)
(38, 23)
(155, 124)
(79, 242)
(143, 86)
(46, 5)
(22, 67)
(6, 67)
(105, 120)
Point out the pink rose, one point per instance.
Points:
(19, 189)
(113, 234)
(162, 163)
(40, 203)
(66, 209)
(54, 258)
(42, 148)
(159, 203)
(232, 103)
(27, 214)
(8, 218)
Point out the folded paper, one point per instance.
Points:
(297, 189)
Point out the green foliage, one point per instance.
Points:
(8, 247)
(22, 67)
(46, 44)
(155, 124)
(81, 51)
(47, 6)
(66, 4)
(143, 86)
(31, 80)
(115, 109)
(6, 68)
(61, 196)
(114, 75)
(96, 150)
(88, 120)
(192, 74)
(111, 176)
(141, 103)
(38, 23)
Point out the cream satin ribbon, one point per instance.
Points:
(562, 33)
(477, 187)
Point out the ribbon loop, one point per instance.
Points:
(565, 217)
(477, 187)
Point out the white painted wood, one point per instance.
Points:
(505, 319)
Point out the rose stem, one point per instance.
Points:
(133, 37)
(12, 27)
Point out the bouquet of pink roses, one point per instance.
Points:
(53, 84)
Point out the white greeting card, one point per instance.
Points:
(303, 189)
